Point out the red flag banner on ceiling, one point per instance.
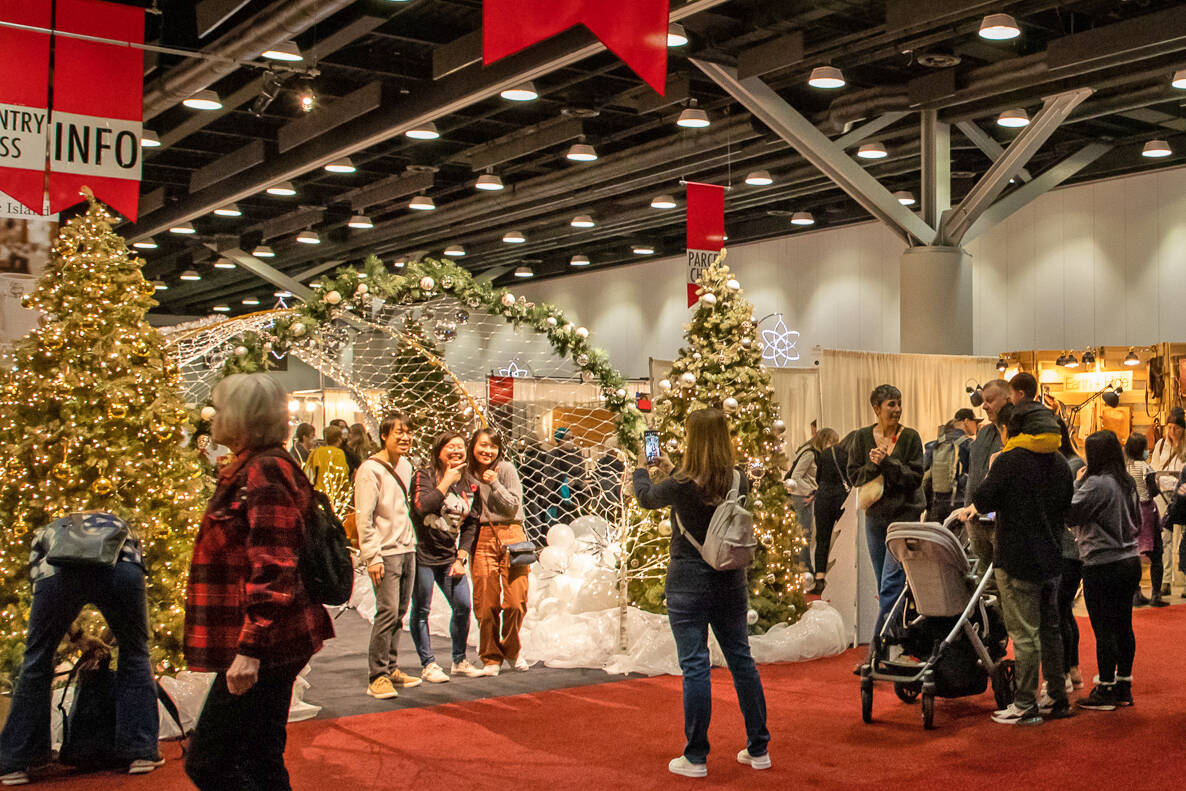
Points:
(634, 30)
(94, 135)
(24, 93)
(706, 230)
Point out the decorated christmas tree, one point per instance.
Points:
(721, 366)
(91, 417)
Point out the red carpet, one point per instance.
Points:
(620, 735)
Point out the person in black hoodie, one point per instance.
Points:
(1030, 493)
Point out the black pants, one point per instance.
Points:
(1068, 586)
(1108, 590)
(828, 508)
(239, 741)
(1156, 561)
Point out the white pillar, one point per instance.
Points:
(936, 301)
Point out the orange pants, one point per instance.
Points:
(500, 593)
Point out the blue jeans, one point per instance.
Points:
(456, 590)
(891, 578)
(805, 515)
(118, 593)
(699, 597)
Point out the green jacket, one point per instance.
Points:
(903, 500)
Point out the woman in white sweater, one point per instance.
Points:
(1169, 455)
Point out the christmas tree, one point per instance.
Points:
(91, 417)
(721, 366)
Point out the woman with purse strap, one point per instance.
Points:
(500, 587)
(885, 463)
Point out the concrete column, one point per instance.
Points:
(936, 301)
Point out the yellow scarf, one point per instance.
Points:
(1038, 443)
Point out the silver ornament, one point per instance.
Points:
(551, 321)
(362, 289)
(756, 471)
(427, 283)
(508, 299)
(730, 404)
(672, 444)
(751, 617)
(695, 355)
(687, 379)
(447, 281)
(582, 332)
(779, 427)
(665, 385)
(582, 359)
(732, 285)
(240, 351)
(747, 343)
(462, 317)
(333, 297)
(709, 299)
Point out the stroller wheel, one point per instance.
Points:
(907, 693)
(1004, 683)
(867, 699)
(928, 711)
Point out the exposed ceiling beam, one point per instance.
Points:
(985, 142)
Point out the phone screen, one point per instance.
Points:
(650, 441)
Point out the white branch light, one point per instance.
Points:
(826, 77)
(999, 27)
(759, 178)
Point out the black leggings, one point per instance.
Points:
(1068, 586)
(1108, 590)
(828, 508)
(1156, 558)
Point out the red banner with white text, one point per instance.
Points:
(706, 230)
(634, 30)
(24, 96)
(94, 134)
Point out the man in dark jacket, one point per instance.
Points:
(1030, 493)
(989, 440)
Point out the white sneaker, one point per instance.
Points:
(760, 762)
(522, 664)
(433, 674)
(17, 777)
(491, 669)
(466, 669)
(682, 766)
(142, 766)
(1045, 702)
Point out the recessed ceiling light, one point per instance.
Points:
(905, 197)
(759, 178)
(285, 51)
(183, 228)
(1179, 80)
(283, 189)
(263, 251)
(521, 93)
(663, 202)
(308, 237)
(221, 308)
(455, 251)
(1155, 149)
(251, 300)
(579, 260)
(1014, 119)
(282, 294)
(873, 150)
(230, 210)
(422, 203)
(203, 100)
(425, 131)
(488, 182)
(400, 262)
(676, 35)
(828, 77)
(343, 165)
(149, 139)
(514, 237)
(160, 285)
(643, 249)
(693, 118)
(582, 152)
(190, 274)
(524, 271)
(361, 222)
(802, 218)
(582, 221)
(146, 244)
(224, 263)
(999, 27)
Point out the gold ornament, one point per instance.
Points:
(147, 289)
(117, 411)
(53, 342)
(15, 465)
(88, 323)
(62, 471)
(102, 487)
(162, 431)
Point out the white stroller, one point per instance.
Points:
(944, 636)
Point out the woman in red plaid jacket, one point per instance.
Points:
(247, 617)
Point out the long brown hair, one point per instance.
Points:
(708, 458)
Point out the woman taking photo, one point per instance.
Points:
(698, 596)
(885, 462)
(500, 589)
(1105, 514)
(446, 524)
(247, 615)
(830, 494)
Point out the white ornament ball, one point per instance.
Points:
(695, 355)
(687, 379)
(551, 321)
(240, 351)
(673, 444)
(665, 385)
(297, 329)
(730, 404)
(582, 332)
(664, 528)
(560, 536)
(779, 427)
(709, 299)
(333, 297)
(732, 285)
(620, 393)
(362, 289)
(427, 283)
(267, 347)
(208, 413)
(507, 300)
(747, 342)
(567, 327)
(751, 617)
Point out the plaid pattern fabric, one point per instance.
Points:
(245, 593)
(40, 568)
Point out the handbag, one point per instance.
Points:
(522, 553)
(870, 492)
(86, 538)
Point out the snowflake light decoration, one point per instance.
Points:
(778, 344)
(513, 370)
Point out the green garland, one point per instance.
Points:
(349, 289)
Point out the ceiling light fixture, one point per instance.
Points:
(905, 197)
(676, 35)
(308, 237)
(263, 251)
(521, 93)
(190, 275)
(425, 131)
(343, 165)
(1156, 149)
(251, 300)
(1014, 119)
(874, 150)
(184, 228)
(282, 294)
(514, 237)
(582, 221)
(160, 285)
(400, 262)
(230, 210)
(1179, 80)
(149, 139)
(759, 178)
(221, 308)
(827, 77)
(146, 244)
(1089, 357)
(1002, 364)
(224, 263)
(803, 218)
(287, 51)
(524, 271)
(999, 27)
(308, 100)
(1131, 358)
(422, 203)
(663, 202)
(692, 117)
(488, 182)
(203, 100)
(455, 251)
(579, 260)
(284, 189)
(1072, 360)
(643, 249)
(582, 152)
(361, 222)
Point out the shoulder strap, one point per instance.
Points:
(391, 470)
(840, 470)
(171, 709)
(685, 533)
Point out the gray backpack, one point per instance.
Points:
(729, 543)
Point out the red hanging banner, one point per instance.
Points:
(500, 390)
(706, 230)
(24, 94)
(94, 134)
(634, 30)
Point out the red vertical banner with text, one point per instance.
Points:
(98, 106)
(24, 96)
(706, 230)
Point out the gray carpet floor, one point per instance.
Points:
(338, 676)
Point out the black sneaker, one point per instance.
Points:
(1122, 692)
(1102, 698)
(1165, 589)
(1157, 601)
(1060, 711)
